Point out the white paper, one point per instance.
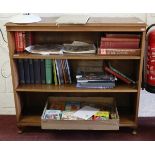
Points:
(72, 19)
(86, 112)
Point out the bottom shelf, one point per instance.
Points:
(35, 120)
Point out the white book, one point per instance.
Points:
(86, 112)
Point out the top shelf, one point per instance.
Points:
(72, 56)
(93, 24)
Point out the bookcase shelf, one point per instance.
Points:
(31, 97)
(35, 120)
(73, 57)
(71, 88)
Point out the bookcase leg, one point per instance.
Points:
(20, 130)
(134, 132)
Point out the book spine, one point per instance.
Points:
(28, 39)
(37, 79)
(57, 69)
(43, 73)
(48, 69)
(31, 71)
(104, 39)
(68, 71)
(117, 75)
(20, 64)
(104, 51)
(27, 71)
(63, 71)
(24, 40)
(124, 45)
(55, 73)
(121, 35)
(19, 42)
(60, 72)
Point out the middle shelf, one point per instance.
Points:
(75, 56)
(72, 88)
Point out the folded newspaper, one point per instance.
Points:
(46, 49)
(77, 47)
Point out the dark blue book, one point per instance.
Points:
(20, 64)
(27, 71)
(31, 71)
(43, 73)
(37, 75)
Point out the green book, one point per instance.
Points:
(48, 68)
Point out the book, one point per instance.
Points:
(57, 105)
(59, 67)
(85, 112)
(21, 73)
(119, 75)
(69, 115)
(37, 77)
(108, 85)
(94, 77)
(121, 35)
(72, 106)
(42, 71)
(120, 43)
(55, 73)
(31, 71)
(57, 70)
(68, 71)
(101, 115)
(19, 42)
(52, 114)
(48, 69)
(27, 71)
(113, 51)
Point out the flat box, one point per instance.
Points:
(111, 124)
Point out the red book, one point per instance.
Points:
(120, 39)
(118, 75)
(19, 42)
(122, 35)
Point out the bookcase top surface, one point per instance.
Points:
(93, 21)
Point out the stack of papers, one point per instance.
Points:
(86, 112)
(72, 19)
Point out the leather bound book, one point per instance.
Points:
(43, 72)
(20, 64)
(31, 71)
(27, 71)
(37, 76)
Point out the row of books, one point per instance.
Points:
(22, 40)
(76, 111)
(44, 71)
(119, 44)
(95, 80)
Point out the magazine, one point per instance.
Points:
(77, 47)
(45, 49)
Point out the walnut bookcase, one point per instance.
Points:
(30, 99)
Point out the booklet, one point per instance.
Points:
(86, 112)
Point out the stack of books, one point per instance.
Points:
(95, 80)
(119, 44)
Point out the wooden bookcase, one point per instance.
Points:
(30, 99)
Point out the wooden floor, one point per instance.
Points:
(8, 132)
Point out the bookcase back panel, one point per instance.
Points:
(34, 103)
(129, 68)
(65, 37)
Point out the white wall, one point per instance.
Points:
(147, 104)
